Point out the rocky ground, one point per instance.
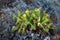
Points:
(10, 7)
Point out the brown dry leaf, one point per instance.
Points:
(56, 37)
(1, 13)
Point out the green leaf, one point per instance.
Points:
(18, 20)
(37, 11)
(52, 27)
(33, 27)
(19, 30)
(46, 30)
(14, 28)
(45, 21)
(49, 25)
(31, 19)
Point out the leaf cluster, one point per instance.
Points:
(34, 18)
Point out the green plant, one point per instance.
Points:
(34, 18)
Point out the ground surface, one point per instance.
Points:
(10, 7)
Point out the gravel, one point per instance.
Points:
(9, 8)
